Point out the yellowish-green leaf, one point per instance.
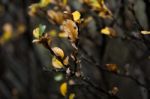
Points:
(72, 96)
(76, 15)
(145, 32)
(44, 3)
(56, 63)
(65, 2)
(36, 32)
(58, 52)
(63, 88)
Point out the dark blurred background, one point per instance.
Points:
(21, 63)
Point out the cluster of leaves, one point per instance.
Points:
(9, 32)
(68, 24)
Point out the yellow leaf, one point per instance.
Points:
(145, 32)
(66, 60)
(6, 36)
(63, 88)
(58, 52)
(109, 31)
(72, 96)
(71, 29)
(65, 2)
(95, 3)
(36, 32)
(105, 15)
(56, 63)
(55, 16)
(44, 3)
(76, 15)
(105, 31)
(33, 9)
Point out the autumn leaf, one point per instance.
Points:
(63, 88)
(145, 32)
(58, 52)
(112, 67)
(109, 31)
(56, 63)
(66, 60)
(33, 9)
(71, 29)
(105, 13)
(36, 32)
(55, 16)
(44, 3)
(72, 96)
(76, 15)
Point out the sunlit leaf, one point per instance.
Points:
(145, 32)
(72, 96)
(56, 63)
(66, 60)
(71, 29)
(76, 15)
(44, 3)
(63, 88)
(58, 52)
(36, 32)
(55, 16)
(109, 31)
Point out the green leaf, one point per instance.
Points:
(42, 29)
